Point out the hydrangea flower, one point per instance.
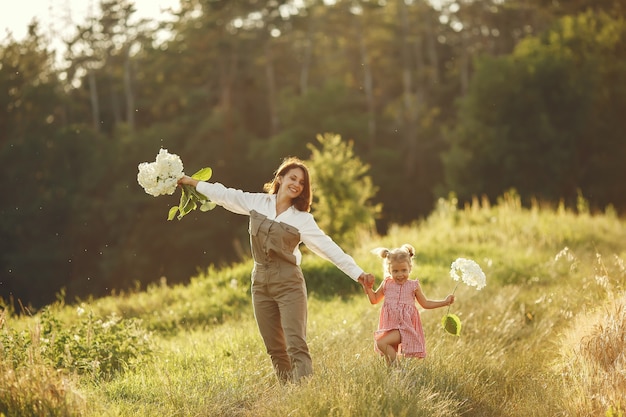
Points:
(161, 178)
(469, 272)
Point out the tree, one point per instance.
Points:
(546, 119)
(32, 207)
(101, 50)
(342, 190)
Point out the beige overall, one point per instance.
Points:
(279, 296)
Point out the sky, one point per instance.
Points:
(54, 15)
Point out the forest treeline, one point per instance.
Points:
(473, 98)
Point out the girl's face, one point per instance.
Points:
(400, 271)
(292, 183)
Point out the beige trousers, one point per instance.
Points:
(279, 297)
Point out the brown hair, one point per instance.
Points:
(405, 253)
(303, 201)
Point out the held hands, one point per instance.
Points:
(366, 280)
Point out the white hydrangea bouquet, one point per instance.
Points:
(469, 272)
(161, 178)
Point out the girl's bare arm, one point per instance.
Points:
(430, 304)
(375, 296)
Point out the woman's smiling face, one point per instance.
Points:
(292, 183)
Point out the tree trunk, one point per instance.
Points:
(93, 96)
(225, 106)
(115, 104)
(271, 88)
(368, 84)
(433, 56)
(128, 89)
(305, 68)
(409, 108)
(464, 64)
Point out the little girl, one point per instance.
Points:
(399, 327)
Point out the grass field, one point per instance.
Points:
(546, 337)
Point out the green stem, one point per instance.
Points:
(453, 291)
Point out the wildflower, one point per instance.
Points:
(109, 323)
(564, 253)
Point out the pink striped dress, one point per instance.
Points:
(399, 312)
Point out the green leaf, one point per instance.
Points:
(196, 195)
(190, 204)
(451, 323)
(203, 175)
(191, 199)
(207, 205)
(185, 196)
(172, 213)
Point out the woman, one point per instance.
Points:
(279, 221)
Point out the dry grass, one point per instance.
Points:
(594, 365)
(546, 337)
(38, 390)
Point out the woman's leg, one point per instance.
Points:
(267, 314)
(293, 315)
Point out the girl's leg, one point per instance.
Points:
(388, 344)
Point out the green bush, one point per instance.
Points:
(92, 345)
(325, 280)
(211, 297)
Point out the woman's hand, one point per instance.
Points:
(187, 181)
(367, 280)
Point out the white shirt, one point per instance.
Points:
(241, 202)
